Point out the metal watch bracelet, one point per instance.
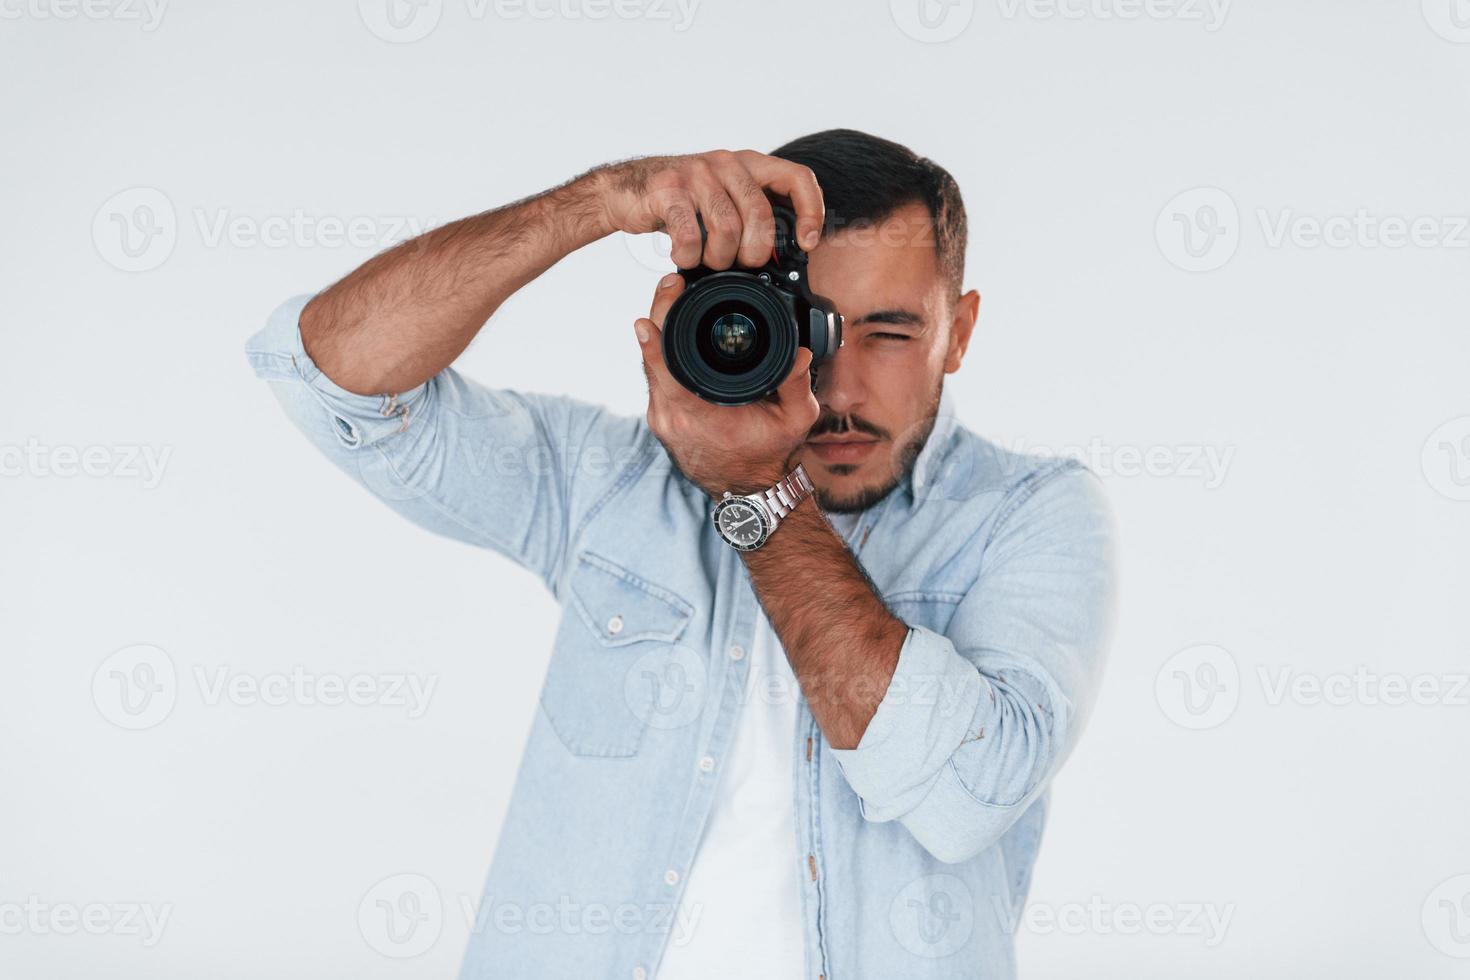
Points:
(782, 498)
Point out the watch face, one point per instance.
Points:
(741, 522)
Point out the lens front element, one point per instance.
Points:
(733, 335)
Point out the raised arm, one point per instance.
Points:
(363, 367)
(405, 315)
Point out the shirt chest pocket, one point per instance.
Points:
(617, 629)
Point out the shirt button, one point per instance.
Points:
(707, 764)
(639, 973)
(615, 625)
(671, 877)
(737, 652)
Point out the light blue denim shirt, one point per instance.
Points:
(915, 848)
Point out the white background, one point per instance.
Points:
(1327, 380)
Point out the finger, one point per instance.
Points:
(757, 223)
(721, 223)
(676, 208)
(799, 185)
(669, 288)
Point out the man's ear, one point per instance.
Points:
(966, 312)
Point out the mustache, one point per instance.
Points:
(842, 425)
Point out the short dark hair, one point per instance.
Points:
(865, 178)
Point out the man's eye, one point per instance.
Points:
(893, 336)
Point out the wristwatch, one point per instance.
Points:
(748, 521)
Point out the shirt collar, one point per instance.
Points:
(927, 466)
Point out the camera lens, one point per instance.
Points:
(733, 335)
(730, 338)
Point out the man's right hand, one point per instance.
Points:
(726, 189)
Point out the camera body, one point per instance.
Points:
(731, 336)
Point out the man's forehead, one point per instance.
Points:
(888, 265)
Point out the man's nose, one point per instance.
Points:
(840, 386)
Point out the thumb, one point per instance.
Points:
(798, 384)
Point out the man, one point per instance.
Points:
(826, 757)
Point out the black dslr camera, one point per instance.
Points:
(731, 336)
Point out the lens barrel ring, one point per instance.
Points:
(690, 352)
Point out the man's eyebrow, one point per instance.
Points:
(899, 317)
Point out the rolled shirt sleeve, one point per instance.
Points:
(976, 721)
(508, 470)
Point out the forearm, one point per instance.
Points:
(406, 314)
(842, 641)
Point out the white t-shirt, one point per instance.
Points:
(742, 897)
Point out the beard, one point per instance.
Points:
(904, 455)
